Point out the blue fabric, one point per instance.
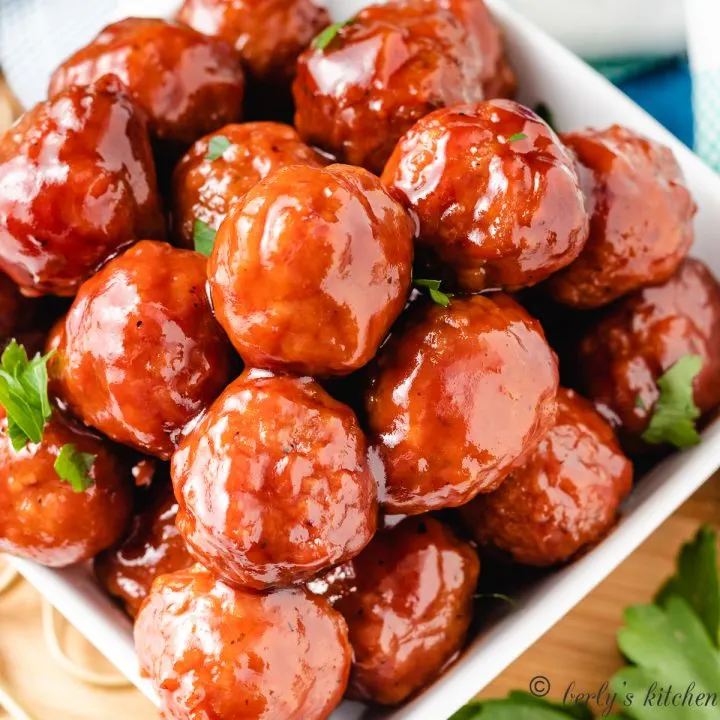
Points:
(666, 93)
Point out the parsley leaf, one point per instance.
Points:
(324, 39)
(74, 467)
(675, 412)
(217, 146)
(24, 394)
(521, 706)
(696, 580)
(672, 646)
(669, 648)
(433, 286)
(203, 237)
(517, 136)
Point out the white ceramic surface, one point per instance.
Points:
(578, 97)
(610, 28)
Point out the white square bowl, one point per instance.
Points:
(578, 97)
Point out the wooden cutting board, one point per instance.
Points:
(580, 649)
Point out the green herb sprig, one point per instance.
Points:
(74, 467)
(515, 137)
(433, 286)
(24, 395)
(675, 412)
(673, 642)
(203, 237)
(323, 40)
(217, 146)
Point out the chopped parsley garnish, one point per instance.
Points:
(74, 467)
(324, 39)
(517, 136)
(437, 296)
(24, 394)
(217, 146)
(203, 237)
(673, 643)
(675, 412)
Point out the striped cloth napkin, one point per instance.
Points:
(703, 28)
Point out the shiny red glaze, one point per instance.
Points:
(643, 336)
(641, 217)
(215, 652)
(496, 194)
(187, 83)
(142, 353)
(41, 517)
(395, 63)
(268, 34)
(409, 608)
(310, 271)
(153, 547)
(274, 483)
(564, 499)
(77, 184)
(206, 190)
(460, 397)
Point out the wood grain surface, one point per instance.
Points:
(580, 649)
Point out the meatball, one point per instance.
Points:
(496, 194)
(187, 83)
(394, 63)
(142, 353)
(311, 269)
(206, 187)
(641, 217)
(409, 608)
(641, 338)
(564, 499)
(153, 547)
(77, 184)
(268, 34)
(215, 652)
(274, 483)
(42, 517)
(460, 397)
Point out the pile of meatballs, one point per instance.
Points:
(301, 295)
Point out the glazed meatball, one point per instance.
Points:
(268, 34)
(77, 184)
(215, 652)
(393, 64)
(142, 353)
(311, 269)
(564, 499)
(42, 517)
(274, 483)
(460, 397)
(497, 195)
(153, 547)
(622, 358)
(187, 83)
(641, 217)
(206, 187)
(409, 608)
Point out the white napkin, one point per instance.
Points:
(37, 35)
